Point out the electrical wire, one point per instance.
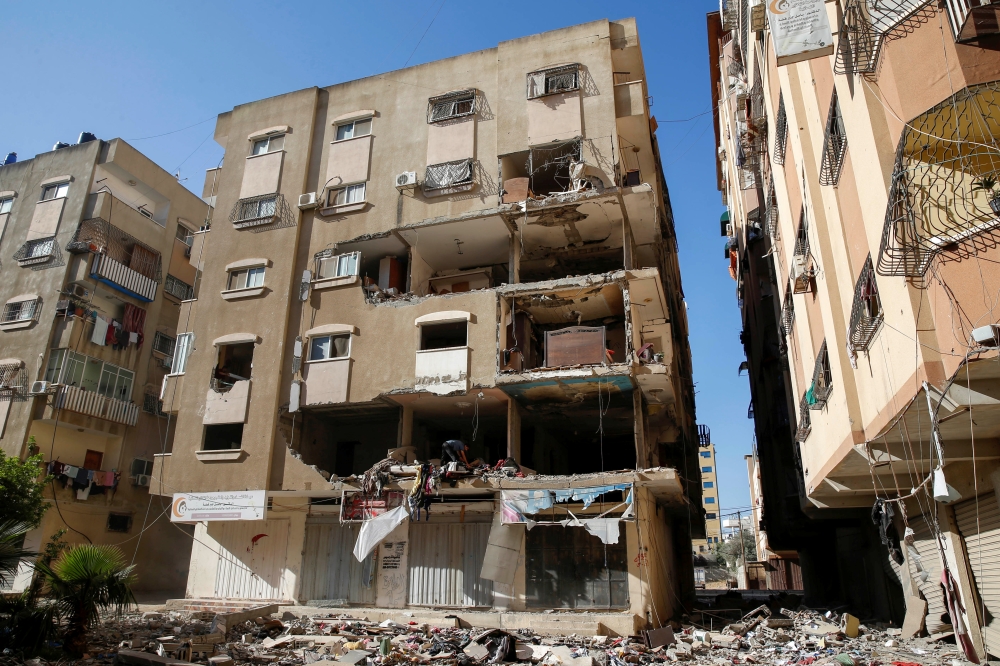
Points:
(157, 136)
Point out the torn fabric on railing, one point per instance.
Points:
(439, 176)
(376, 529)
(516, 503)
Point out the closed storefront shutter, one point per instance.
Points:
(980, 529)
(329, 569)
(444, 564)
(930, 560)
(251, 558)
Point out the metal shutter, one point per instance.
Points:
(249, 570)
(982, 543)
(444, 562)
(329, 568)
(930, 560)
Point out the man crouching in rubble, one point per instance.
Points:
(453, 450)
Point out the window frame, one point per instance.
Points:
(706, 470)
(8, 202)
(330, 337)
(353, 125)
(709, 500)
(321, 262)
(168, 288)
(247, 272)
(158, 336)
(454, 99)
(90, 374)
(334, 193)
(59, 191)
(183, 346)
(549, 73)
(267, 141)
(8, 309)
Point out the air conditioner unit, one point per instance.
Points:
(141, 480)
(307, 200)
(986, 336)
(41, 388)
(77, 291)
(729, 230)
(167, 362)
(799, 267)
(406, 179)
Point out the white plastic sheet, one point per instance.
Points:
(376, 529)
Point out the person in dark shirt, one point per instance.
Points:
(453, 450)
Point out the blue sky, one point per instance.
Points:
(139, 70)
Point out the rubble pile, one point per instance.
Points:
(784, 638)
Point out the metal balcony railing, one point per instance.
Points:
(178, 289)
(262, 213)
(780, 132)
(13, 382)
(805, 421)
(822, 380)
(834, 145)
(971, 19)
(866, 311)
(80, 400)
(99, 236)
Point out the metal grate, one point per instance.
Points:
(834, 145)
(856, 50)
(38, 254)
(449, 174)
(972, 19)
(771, 213)
(944, 197)
(780, 132)
(20, 311)
(99, 236)
(704, 435)
(788, 310)
(151, 404)
(163, 343)
(451, 105)
(805, 421)
(802, 236)
(13, 382)
(177, 288)
(553, 81)
(822, 381)
(866, 312)
(262, 213)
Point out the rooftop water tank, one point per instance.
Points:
(60, 144)
(10, 159)
(86, 137)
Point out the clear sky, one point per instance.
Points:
(136, 70)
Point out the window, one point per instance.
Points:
(354, 129)
(151, 404)
(57, 191)
(115, 382)
(178, 289)
(91, 374)
(20, 311)
(339, 265)
(553, 81)
(822, 381)
(182, 348)
(788, 310)
(706, 469)
(269, 144)
(866, 312)
(449, 174)
(330, 346)
(452, 105)
(834, 145)
(346, 195)
(119, 522)
(256, 208)
(709, 500)
(246, 278)
(780, 131)
(802, 236)
(6, 205)
(163, 343)
(805, 421)
(141, 466)
(709, 484)
(705, 454)
(443, 336)
(223, 437)
(184, 235)
(709, 516)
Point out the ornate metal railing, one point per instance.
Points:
(866, 311)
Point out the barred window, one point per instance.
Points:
(822, 381)
(553, 81)
(788, 310)
(449, 174)
(451, 105)
(119, 522)
(866, 312)
(177, 288)
(780, 131)
(262, 213)
(805, 421)
(834, 145)
(164, 344)
(802, 236)
(35, 251)
(13, 382)
(19, 311)
(771, 212)
(151, 404)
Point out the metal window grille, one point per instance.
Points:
(771, 212)
(745, 26)
(99, 236)
(163, 343)
(178, 289)
(938, 200)
(37, 252)
(857, 48)
(20, 311)
(834, 145)
(805, 421)
(553, 81)
(822, 381)
(151, 404)
(451, 105)
(449, 174)
(788, 310)
(13, 382)
(704, 435)
(866, 311)
(780, 131)
(802, 236)
(262, 213)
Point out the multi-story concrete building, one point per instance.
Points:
(479, 248)
(860, 178)
(95, 240)
(709, 494)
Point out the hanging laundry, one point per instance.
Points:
(957, 611)
(375, 530)
(110, 338)
(100, 335)
(83, 493)
(882, 515)
(109, 478)
(852, 356)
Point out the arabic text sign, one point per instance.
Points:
(800, 29)
(235, 505)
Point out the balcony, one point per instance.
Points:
(972, 19)
(120, 261)
(79, 400)
(443, 371)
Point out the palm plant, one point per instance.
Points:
(85, 581)
(11, 549)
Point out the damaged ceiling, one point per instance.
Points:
(570, 389)
(593, 224)
(471, 243)
(568, 305)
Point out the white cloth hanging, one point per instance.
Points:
(100, 330)
(376, 529)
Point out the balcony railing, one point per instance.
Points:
(971, 19)
(178, 289)
(119, 259)
(79, 400)
(124, 278)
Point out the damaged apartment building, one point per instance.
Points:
(95, 241)
(859, 171)
(477, 249)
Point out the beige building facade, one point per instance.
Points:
(479, 248)
(709, 494)
(95, 240)
(860, 185)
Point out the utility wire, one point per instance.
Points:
(157, 136)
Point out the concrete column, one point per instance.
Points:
(406, 426)
(641, 454)
(513, 430)
(958, 562)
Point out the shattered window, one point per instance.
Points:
(553, 81)
(452, 105)
(449, 174)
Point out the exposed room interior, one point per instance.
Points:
(458, 256)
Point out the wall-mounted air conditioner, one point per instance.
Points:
(406, 179)
(77, 291)
(41, 388)
(307, 200)
(141, 480)
(167, 362)
(799, 267)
